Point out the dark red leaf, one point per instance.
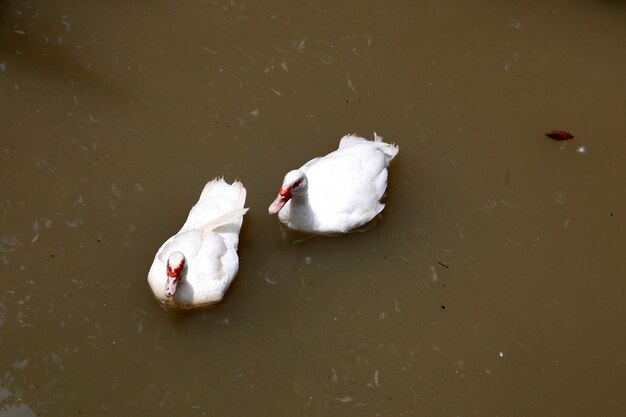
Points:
(559, 135)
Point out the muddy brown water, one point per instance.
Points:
(492, 286)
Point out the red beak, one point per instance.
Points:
(281, 199)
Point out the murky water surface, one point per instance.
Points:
(493, 284)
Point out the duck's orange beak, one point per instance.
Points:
(281, 199)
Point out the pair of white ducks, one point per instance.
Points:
(331, 194)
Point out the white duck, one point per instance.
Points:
(337, 192)
(195, 267)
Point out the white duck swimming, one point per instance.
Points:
(337, 192)
(195, 267)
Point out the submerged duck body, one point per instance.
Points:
(195, 267)
(338, 192)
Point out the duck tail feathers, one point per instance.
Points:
(234, 216)
(350, 139)
(236, 190)
(389, 149)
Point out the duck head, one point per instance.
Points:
(294, 184)
(175, 265)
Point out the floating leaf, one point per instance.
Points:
(297, 242)
(559, 135)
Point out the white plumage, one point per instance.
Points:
(337, 192)
(203, 255)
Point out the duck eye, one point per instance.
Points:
(297, 183)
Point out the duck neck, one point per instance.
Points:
(300, 210)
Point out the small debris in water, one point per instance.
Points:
(582, 150)
(210, 51)
(559, 135)
(442, 264)
(433, 275)
(20, 364)
(297, 242)
(515, 25)
(350, 84)
(67, 23)
(74, 223)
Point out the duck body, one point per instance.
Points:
(338, 192)
(195, 267)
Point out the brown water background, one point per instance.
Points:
(493, 285)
